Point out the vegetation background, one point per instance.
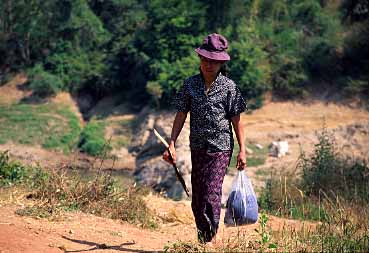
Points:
(145, 49)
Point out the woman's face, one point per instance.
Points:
(209, 66)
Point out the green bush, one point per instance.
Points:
(250, 68)
(75, 66)
(92, 139)
(356, 86)
(327, 181)
(172, 74)
(43, 83)
(155, 90)
(329, 65)
(289, 79)
(11, 172)
(326, 171)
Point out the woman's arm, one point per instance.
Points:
(238, 128)
(179, 120)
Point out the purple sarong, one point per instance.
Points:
(208, 171)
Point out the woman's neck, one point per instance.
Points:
(209, 79)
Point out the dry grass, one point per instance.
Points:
(55, 192)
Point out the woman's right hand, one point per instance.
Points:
(166, 155)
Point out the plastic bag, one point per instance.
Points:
(242, 205)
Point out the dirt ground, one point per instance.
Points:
(79, 232)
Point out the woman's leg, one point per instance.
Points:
(208, 171)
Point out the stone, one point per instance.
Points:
(278, 148)
(249, 151)
(258, 146)
(151, 169)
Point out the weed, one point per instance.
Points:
(264, 233)
(184, 247)
(92, 139)
(11, 172)
(326, 170)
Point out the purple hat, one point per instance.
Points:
(214, 47)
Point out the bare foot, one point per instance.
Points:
(214, 244)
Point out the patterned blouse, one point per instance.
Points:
(211, 113)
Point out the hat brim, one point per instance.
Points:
(218, 56)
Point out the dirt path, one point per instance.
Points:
(80, 232)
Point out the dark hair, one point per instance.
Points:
(224, 70)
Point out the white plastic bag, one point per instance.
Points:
(242, 206)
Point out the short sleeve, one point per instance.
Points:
(183, 99)
(236, 103)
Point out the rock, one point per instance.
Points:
(151, 169)
(176, 191)
(249, 151)
(278, 148)
(258, 146)
(120, 153)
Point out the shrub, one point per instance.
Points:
(11, 172)
(328, 66)
(327, 180)
(92, 139)
(75, 66)
(356, 86)
(250, 68)
(326, 171)
(289, 78)
(43, 83)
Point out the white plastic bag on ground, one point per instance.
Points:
(242, 206)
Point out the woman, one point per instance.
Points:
(215, 103)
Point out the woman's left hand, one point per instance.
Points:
(241, 160)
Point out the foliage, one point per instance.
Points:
(289, 79)
(11, 172)
(325, 176)
(92, 139)
(265, 234)
(325, 171)
(108, 46)
(75, 67)
(155, 90)
(250, 69)
(282, 196)
(43, 83)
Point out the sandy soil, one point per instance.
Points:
(80, 232)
